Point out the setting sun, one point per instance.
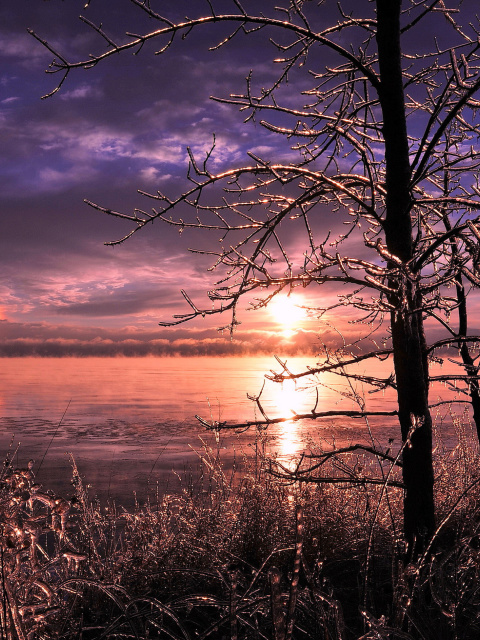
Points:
(287, 311)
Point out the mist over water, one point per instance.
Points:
(130, 422)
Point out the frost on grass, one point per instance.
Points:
(238, 554)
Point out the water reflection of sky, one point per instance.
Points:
(128, 416)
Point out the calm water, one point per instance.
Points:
(130, 422)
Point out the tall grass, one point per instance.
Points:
(241, 554)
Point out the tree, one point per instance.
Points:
(385, 144)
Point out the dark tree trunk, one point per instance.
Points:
(408, 338)
(471, 369)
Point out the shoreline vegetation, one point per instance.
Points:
(241, 554)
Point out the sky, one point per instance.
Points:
(122, 126)
(119, 127)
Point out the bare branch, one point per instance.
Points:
(313, 415)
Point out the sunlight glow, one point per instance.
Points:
(286, 397)
(287, 400)
(287, 311)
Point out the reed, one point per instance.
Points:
(241, 554)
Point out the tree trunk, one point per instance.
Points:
(471, 369)
(408, 338)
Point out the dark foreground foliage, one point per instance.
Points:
(241, 556)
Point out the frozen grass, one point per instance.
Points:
(243, 555)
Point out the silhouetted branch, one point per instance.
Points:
(295, 417)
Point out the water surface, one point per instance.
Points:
(130, 422)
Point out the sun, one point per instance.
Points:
(287, 311)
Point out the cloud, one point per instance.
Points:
(51, 180)
(113, 303)
(82, 141)
(138, 122)
(10, 100)
(154, 175)
(139, 282)
(22, 48)
(43, 339)
(81, 92)
(122, 125)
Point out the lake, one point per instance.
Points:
(130, 422)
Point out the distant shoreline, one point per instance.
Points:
(175, 354)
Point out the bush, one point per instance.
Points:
(241, 556)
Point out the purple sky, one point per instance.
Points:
(121, 126)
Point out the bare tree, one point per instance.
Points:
(383, 139)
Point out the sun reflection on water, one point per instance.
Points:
(287, 401)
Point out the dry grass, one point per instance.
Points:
(242, 556)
